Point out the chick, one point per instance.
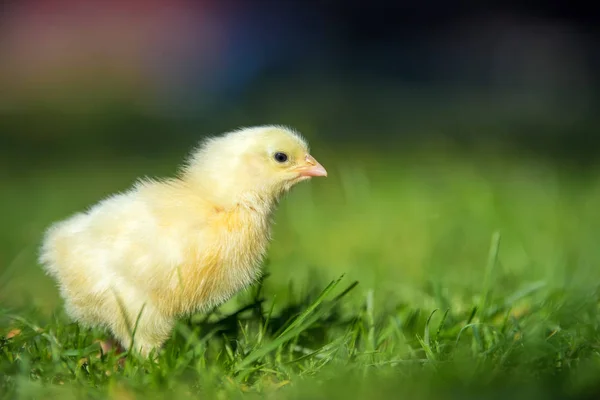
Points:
(164, 249)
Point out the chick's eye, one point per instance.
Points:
(281, 157)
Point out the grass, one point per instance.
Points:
(433, 276)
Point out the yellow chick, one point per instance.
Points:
(168, 248)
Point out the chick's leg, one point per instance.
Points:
(151, 331)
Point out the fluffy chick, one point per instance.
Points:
(168, 248)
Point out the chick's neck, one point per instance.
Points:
(229, 195)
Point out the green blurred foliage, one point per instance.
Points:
(414, 197)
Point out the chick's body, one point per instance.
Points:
(168, 248)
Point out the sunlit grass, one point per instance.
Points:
(473, 272)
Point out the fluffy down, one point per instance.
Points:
(165, 249)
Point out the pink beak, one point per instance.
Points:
(312, 168)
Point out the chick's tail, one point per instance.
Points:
(52, 248)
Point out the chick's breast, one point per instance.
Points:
(220, 256)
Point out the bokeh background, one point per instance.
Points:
(440, 123)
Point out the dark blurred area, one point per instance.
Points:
(81, 79)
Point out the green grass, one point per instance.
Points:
(420, 276)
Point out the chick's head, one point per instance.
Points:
(254, 163)
(278, 159)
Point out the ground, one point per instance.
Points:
(428, 276)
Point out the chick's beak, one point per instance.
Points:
(311, 167)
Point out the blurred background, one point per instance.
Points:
(440, 122)
(132, 76)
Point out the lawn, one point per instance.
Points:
(420, 275)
